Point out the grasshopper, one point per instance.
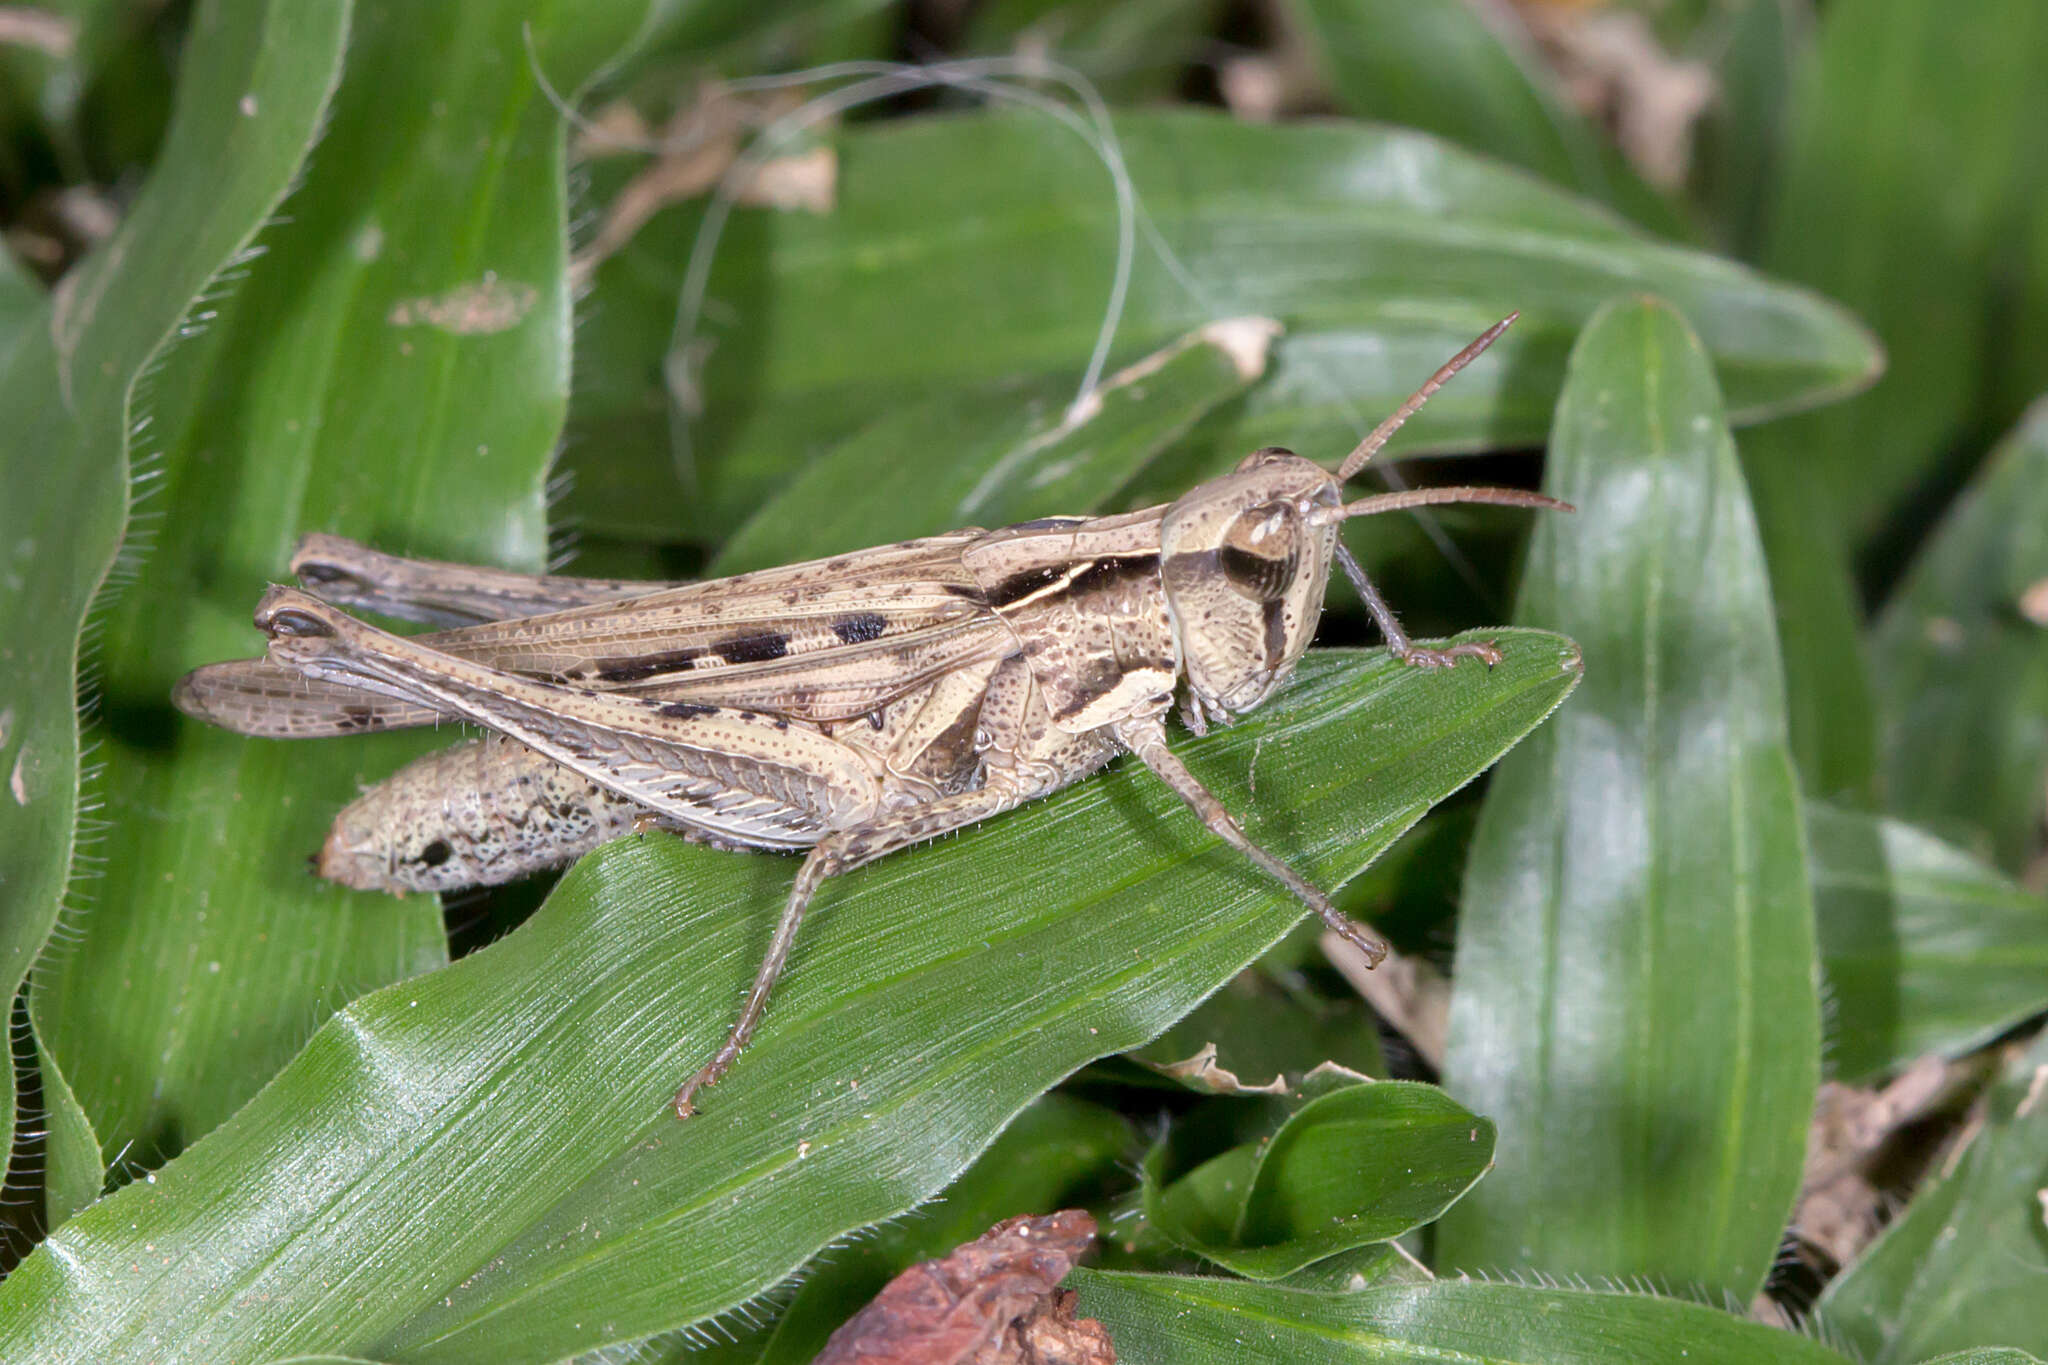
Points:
(850, 706)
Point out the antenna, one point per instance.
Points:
(1384, 432)
(1430, 497)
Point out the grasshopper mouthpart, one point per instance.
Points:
(847, 707)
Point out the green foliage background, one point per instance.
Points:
(1777, 697)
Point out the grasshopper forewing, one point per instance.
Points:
(849, 706)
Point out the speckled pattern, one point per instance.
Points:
(1085, 602)
(481, 813)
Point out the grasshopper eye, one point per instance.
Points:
(1261, 550)
(1267, 456)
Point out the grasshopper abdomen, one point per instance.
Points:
(485, 812)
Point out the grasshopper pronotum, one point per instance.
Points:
(851, 706)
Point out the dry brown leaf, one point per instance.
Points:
(1614, 71)
(1408, 992)
(1839, 1205)
(692, 154)
(52, 34)
(1204, 1072)
(994, 1301)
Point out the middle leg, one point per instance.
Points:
(1147, 739)
(1025, 756)
(836, 853)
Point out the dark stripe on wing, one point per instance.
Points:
(634, 667)
(756, 648)
(1091, 576)
(860, 627)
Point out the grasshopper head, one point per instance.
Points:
(1244, 559)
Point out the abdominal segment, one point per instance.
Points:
(486, 811)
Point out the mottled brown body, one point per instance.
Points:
(484, 812)
(851, 706)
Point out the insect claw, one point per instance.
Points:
(685, 1101)
(1365, 940)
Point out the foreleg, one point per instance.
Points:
(1147, 739)
(1398, 643)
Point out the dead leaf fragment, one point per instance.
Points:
(54, 35)
(1839, 1205)
(693, 153)
(1282, 80)
(1614, 70)
(807, 181)
(2037, 1086)
(994, 1301)
(1407, 992)
(2034, 602)
(1203, 1072)
(490, 305)
(618, 129)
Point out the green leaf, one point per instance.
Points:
(1634, 998)
(1359, 1165)
(1830, 711)
(1911, 133)
(521, 1093)
(1156, 1319)
(986, 458)
(92, 97)
(1963, 1265)
(743, 38)
(1382, 252)
(1050, 1153)
(1962, 662)
(1987, 1355)
(1925, 949)
(1383, 1263)
(1132, 51)
(400, 352)
(2019, 347)
(72, 1164)
(1439, 66)
(1740, 145)
(66, 403)
(21, 304)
